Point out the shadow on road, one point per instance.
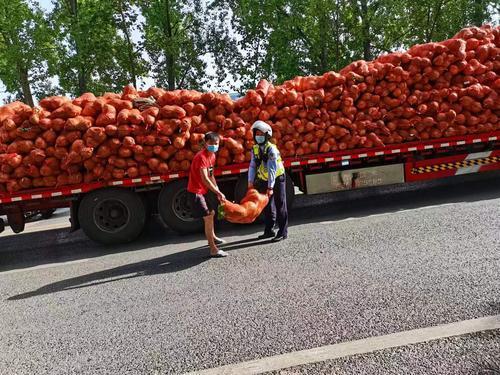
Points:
(341, 207)
(32, 249)
(170, 263)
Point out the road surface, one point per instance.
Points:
(360, 272)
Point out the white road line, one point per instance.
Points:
(386, 213)
(44, 266)
(36, 227)
(345, 349)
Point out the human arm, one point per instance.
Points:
(211, 184)
(252, 171)
(272, 167)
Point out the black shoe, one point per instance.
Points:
(279, 238)
(266, 235)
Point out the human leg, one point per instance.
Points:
(269, 211)
(281, 207)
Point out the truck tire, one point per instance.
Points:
(241, 189)
(175, 209)
(112, 215)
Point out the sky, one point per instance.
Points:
(47, 4)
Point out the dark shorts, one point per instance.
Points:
(200, 205)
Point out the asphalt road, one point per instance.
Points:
(356, 265)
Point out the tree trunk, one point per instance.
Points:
(169, 57)
(478, 15)
(324, 62)
(22, 75)
(325, 32)
(170, 71)
(365, 24)
(82, 81)
(73, 7)
(337, 35)
(436, 16)
(130, 46)
(25, 85)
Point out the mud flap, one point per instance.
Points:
(16, 220)
(73, 216)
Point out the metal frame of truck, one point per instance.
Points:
(117, 211)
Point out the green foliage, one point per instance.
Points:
(174, 41)
(99, 46)
(25, 49)
(92, 54)
(283, 38)
(432, 20)
(129, 57)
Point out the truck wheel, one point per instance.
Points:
(241, 189)
(112, 215)
(175, 209)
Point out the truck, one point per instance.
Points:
(117, 211)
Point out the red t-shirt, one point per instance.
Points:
(203, 159)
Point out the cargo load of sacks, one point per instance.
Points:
(432, 91)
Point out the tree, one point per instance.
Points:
(433, 20)
(175, 42)
(373, 27)
(278, 39)
(482, 11)
(284, 38)
(270, 40)
(25, 49)
(95, 49)
(126, 16)
(223, 47)
(326, 31)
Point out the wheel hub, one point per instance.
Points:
(111, 215)
(114, 213)
(182, 207)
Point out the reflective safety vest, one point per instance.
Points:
(261, 160)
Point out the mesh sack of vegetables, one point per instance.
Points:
(247, 211)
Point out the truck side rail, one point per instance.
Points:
(337, 156)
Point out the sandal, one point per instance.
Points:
(219, 254)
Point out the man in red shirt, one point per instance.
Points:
(201, 180)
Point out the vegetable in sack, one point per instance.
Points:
(247, 211)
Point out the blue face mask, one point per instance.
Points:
(260, 139)
(213, 148)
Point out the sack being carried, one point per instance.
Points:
(247, 211)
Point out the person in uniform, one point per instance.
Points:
(267, 174)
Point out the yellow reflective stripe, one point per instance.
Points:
(262, 172)
(256, 151)
(455, 165)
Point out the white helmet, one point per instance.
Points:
(263, 127)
